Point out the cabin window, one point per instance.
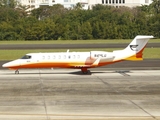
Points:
(69, 57)
(74, 56)
(59, 57)
(78, 56)
(54, 57)
(64, 57)
(26, 57)
(48, 57)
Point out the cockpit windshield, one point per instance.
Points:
(26, 57)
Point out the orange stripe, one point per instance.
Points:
(58, 65)
(137, 56)
(46, 65)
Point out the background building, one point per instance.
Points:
(85, 3)
(128, 3)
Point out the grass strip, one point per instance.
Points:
(149, 53)
(76, 41)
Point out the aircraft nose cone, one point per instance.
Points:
(5, 65)
(11, 64)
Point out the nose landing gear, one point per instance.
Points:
(17, 71)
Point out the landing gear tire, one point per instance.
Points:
(16, 72)
(84, 70)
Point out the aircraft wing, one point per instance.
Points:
(88, 66)
(96, 62)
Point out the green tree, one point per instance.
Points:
(86, 31)
(156, 6)
(7, 32)
(9, 3)
(78, 6)
(44, 12)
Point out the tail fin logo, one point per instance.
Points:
(134, 47)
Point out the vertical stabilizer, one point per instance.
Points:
(134, 50)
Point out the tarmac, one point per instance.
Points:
(58, 94)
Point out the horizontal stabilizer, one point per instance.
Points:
(134, 51)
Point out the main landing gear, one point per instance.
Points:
(17, 72)
(84, 70)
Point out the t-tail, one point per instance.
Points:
(134, 51)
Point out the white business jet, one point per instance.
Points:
(80, 60)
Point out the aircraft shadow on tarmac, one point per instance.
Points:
(99, 72)
(72, 73)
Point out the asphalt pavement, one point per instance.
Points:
(69, 46)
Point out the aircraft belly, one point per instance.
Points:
(51, 65)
